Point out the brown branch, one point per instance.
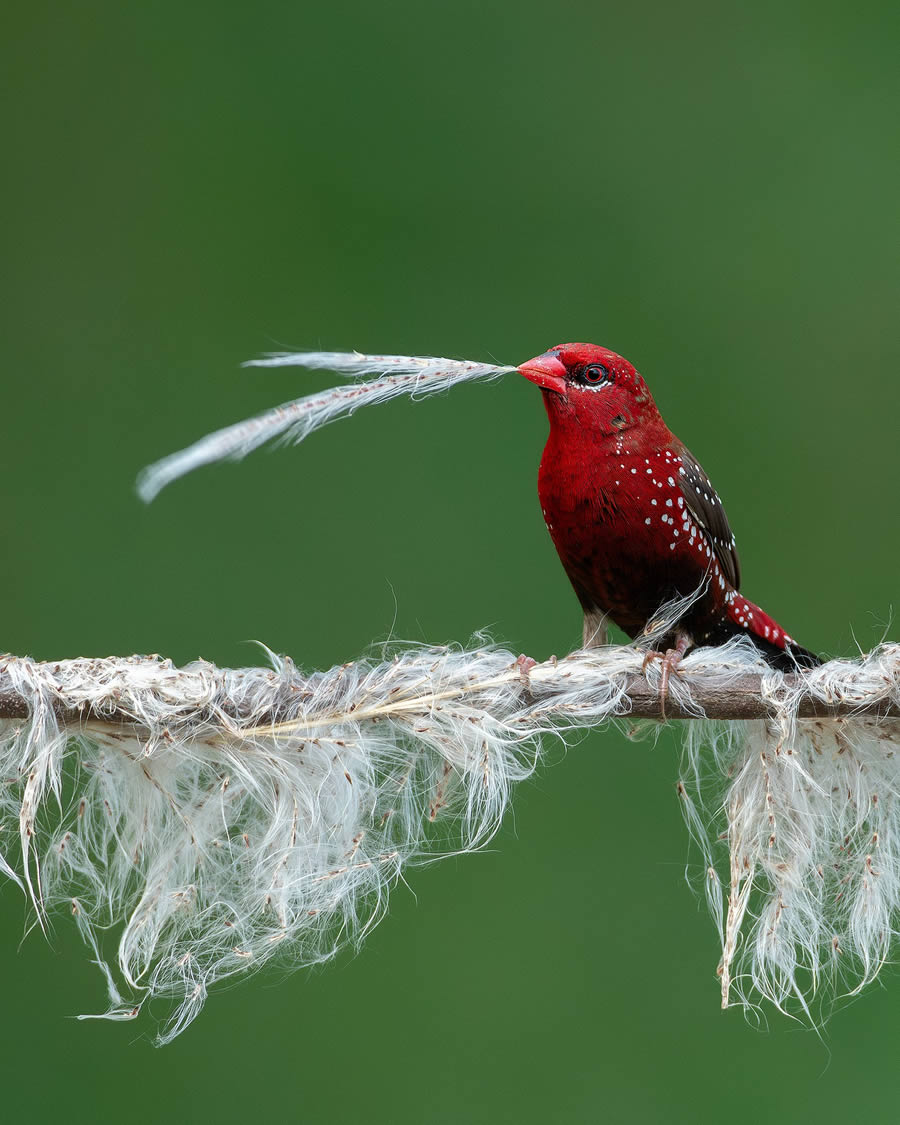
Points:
(741, 699)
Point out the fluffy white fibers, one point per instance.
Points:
(256, 811)
(293, 421)
(243, 814)
(803, 846)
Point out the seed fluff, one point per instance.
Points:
(197, 822)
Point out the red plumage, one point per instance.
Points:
(632, 514)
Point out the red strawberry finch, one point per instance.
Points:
(634, 517)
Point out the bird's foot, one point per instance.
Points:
(525, 664)
(671, 658)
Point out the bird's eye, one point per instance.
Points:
(595, 374)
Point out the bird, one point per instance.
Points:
(634, 518)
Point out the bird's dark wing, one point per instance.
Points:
(705, 506)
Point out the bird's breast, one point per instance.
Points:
(619, 522)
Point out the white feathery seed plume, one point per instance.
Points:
(809, 825)
(212, 819)
(293, 421)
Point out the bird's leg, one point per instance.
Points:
(671, 658)
(595, 633)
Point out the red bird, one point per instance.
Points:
(634, 517)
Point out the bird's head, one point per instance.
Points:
(591, 387)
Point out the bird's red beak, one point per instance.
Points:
(547, 372)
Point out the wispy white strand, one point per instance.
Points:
(293, 421)
(259, 812)
(808, 893)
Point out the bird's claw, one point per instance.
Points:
(524, 664)
(670, 659)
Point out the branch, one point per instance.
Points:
(219, 816)
(703, 695)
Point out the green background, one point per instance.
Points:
(709, 189)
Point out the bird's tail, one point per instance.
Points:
(779, 647)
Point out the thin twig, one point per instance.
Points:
(220, 815)
(741, 698)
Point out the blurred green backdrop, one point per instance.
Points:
(709, 189)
